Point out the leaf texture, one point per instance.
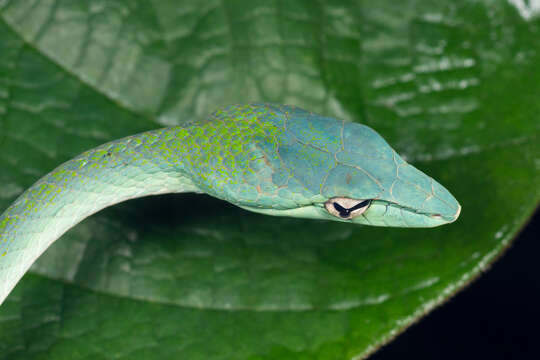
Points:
(451, 85)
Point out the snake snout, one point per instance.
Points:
(448, 218)
(456, 215)
(444, 205)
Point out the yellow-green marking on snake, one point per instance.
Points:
(272, 159)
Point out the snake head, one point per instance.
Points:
(301, 164)
(331, 169)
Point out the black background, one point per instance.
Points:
(496, 317)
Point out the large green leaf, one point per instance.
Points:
(454, 87)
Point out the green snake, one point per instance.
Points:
(271, 159)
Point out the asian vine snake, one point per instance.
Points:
(271, 159)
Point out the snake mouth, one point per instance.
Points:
(409, 214)
(447, 218)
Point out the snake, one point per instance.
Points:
(272, 159)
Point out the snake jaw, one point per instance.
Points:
(377, 213)
(384, 213)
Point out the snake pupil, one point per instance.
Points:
(343, 212)
(360, 205)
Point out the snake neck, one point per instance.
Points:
(132, 167)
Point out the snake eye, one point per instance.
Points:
(346, 208)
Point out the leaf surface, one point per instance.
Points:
(453, 87)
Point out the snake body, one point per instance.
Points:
(272, 159)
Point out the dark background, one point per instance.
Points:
(496, 317)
